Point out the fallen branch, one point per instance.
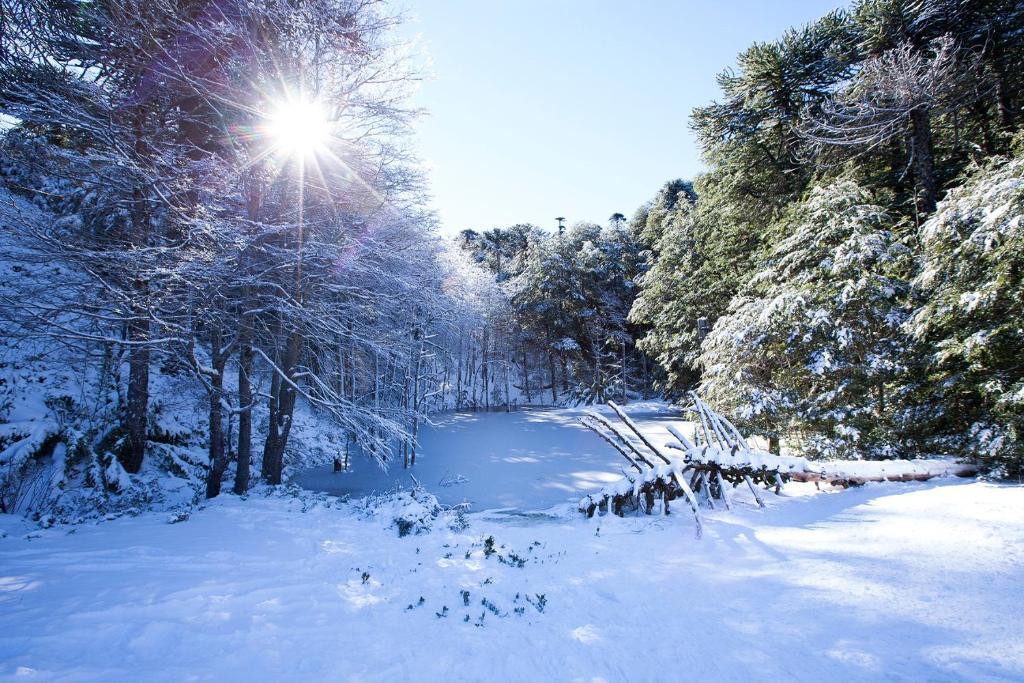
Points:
(844, 474)
(629, 423)
(596, 428)
(622, 439)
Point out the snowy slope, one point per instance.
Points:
(900, 581)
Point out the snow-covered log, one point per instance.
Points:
(857, 472)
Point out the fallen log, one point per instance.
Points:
(847, 474)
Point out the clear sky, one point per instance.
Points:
(575, 108)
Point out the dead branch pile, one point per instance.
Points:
(706, 469)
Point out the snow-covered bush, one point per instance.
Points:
(812, 346)
(412, 511)
(972, 279)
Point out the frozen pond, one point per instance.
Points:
(527, 460)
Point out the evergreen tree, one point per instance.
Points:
(972, 277)
(812, 348)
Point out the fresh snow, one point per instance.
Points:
(916, 581)
(892, 580)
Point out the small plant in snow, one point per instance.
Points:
(540, 603)
(491, 607)
(512, 560)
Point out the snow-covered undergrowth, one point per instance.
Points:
(902, 581)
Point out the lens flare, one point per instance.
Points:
(298, 127)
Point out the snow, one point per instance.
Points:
(527, 460)
(905, 581)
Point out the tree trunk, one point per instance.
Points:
(272, 409)
(508, 387)
(245, 352)
(624, 385)
(245, 400)
(988, 143)
(406, 407)
(282, 410)
(416, 399)
(458, 375)
(1004, 108)
(137, 407)
(484, 371)
(218, 458)
(1003, 93)
(351, 362)
(472, 374)
(526, 374)
(647, 377)
(554, 378)
(924, 160)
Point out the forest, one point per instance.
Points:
(844, 279)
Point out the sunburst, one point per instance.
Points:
(298, 127)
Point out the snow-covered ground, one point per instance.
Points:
(903, 581)
(528, 459)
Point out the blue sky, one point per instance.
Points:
(570, 108)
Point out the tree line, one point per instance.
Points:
(845, 277)
(561, 316)
(855, 244)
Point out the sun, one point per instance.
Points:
(298, 127)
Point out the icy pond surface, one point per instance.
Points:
(530, 459)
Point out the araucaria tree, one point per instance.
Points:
(971, 283)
